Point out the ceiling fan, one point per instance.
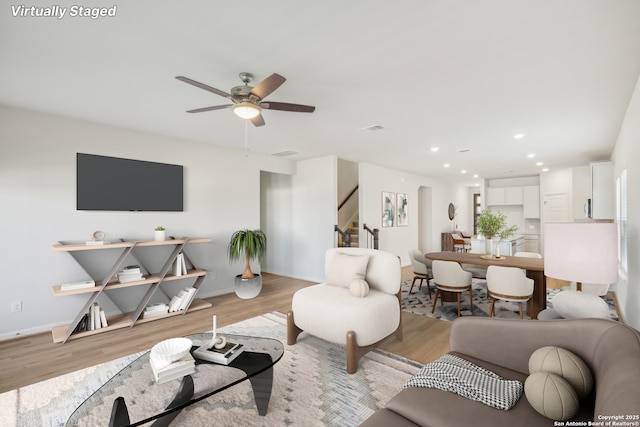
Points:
(248, 101)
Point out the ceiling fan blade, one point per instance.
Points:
(284, 106)
(203, 86)
(217, 107)
(268, 85)
(258, 120)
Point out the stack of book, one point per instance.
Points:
(154, 310)
(223, 356)
(130, 273)
(178, 369)
(93, 319)
(182, 300)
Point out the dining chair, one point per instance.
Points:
(460, 244)
(448, 276)
(421, 269)
(508, 284)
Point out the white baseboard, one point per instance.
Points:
(31, 331)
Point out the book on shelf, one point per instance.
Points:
(179, 265)
(178, 369)
(103, 319)
(155, 309)
(186, 300)
(130, 273)
(176, 301)
(84, 284)
(223, 356)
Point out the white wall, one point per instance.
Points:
(625, 155)
(400, 240)
(276, 214)
(37, 196)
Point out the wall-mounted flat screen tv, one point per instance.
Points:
(115, 184)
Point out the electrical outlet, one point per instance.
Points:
(16, 306)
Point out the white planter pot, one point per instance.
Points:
(488, 246)
(247, 288)
(160, 235)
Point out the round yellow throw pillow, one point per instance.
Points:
(359, 288)
(551, 396)
(562, 362)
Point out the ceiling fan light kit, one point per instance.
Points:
(246, 110)
(248, 100)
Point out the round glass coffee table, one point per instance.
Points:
(132, 396)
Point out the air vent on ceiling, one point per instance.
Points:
(285, 153)
(463, 150)
(372, 128)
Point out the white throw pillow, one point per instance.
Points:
(573, 304)
(345, 268)
(359, 288)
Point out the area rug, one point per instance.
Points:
(419, 302)
(310, 387)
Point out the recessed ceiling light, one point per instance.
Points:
(531, 155)
(545, 169)
(435, 149)
(463, 171)
(475, 175)
(446, 165)
(518, 135)
(539, 163)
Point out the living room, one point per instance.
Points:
(232, 181)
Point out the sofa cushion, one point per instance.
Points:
(345, 268)
(562, 362)
(371, 318)
(359, 288)
(551, 395)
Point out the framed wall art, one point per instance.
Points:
(388, 209)
(403, 210)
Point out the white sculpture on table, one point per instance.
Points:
(216, 341)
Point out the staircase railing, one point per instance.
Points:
(346, 237)
(373, 237)
(346, 199)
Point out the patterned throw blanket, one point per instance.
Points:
(451, 373)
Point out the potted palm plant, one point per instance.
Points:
(494, 224)
(248, 245)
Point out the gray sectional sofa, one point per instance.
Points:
(610, 349)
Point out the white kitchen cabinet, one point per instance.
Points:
(502, 196)
(602, 191)
(532, 243)
(513, 195)
(531, 201)
(495, 196)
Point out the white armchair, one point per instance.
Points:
(346, 311)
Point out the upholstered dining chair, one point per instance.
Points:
(528, 254)
(448, 276)
(508, 284)
(358, 305)
(460, 244)
(421, 269)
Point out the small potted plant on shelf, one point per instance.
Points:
(252, 245)
(491, 224)
(160, 234)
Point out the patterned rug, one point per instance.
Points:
(418, 302)
(310, 388)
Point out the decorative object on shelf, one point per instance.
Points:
(160, 234)
(252, 244)
(97, 238)
(403, 210)
(388, 209)
(491, 224)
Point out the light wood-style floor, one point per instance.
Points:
(34, 358)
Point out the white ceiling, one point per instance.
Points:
(457, 74)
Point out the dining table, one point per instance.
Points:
(534, 268)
